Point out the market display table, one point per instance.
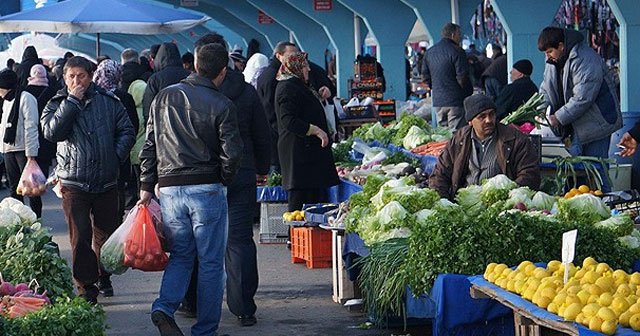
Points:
(530, 319)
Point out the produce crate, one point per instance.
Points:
(624, 201)
(311, 245)
(272, 229)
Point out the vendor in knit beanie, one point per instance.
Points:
(476, 104)
(524, 66)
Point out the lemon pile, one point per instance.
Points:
(595, 295)
(583, 189)
(297, 215)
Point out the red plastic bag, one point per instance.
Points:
(32, 181)
(142, 249)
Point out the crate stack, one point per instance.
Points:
(272, 206)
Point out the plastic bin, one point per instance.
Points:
(272, 228)
(311, 245)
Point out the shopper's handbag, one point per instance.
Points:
(329, 114)
(32, 181)
(142, 249)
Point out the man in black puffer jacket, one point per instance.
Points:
(168, 71)
(95, 136)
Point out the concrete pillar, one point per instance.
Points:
(391, 22)
(628, 14)
(523, 22)
(338, 23)
(310, 36)
(246, 12)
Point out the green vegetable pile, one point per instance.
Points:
(496, 222)
(274, 180)
(64, 318)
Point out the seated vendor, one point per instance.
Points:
(484, 149)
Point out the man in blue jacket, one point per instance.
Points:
(446, 71)
(580, 91)
(95, 137)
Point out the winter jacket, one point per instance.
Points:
(136, 90)
(132, 71)
(514, 95)
(444, 69)
(305, 163)
(516, 157)
(94, 137)
(587, 99)
(169, 71)
(29, 59)
(192, 137)
(252, 122)
(27, 128)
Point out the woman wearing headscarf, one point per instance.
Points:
(38, 86)
(254, 68)
(108, 76)
(303, 145)
(19, 132)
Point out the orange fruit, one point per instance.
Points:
(583, 189)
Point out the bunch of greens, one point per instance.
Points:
(399, 157)
(566, 175)
(381, 277)
(527, 112)
(27, 252)
(274, 180)
(374, 131)
(65, 317)
(341, 154)
(405, 123)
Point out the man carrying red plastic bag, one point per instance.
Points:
(196, 156)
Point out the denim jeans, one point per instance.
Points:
(598, 148)
(195, 224)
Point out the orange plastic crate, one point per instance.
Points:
(311, 245)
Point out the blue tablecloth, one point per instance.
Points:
(271, 194)
(539, 312)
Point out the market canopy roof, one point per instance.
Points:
(102, 16)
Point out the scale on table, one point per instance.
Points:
(553, 147)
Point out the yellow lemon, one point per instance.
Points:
(528, 270)
(596, 290)
(581, 319)
(499, 268)
(548, 292)
(590, 310)
(623, 290)
(634, 308)
(608, 327)
(589, 277)
(543, 302)
(602, 268)
(579, 274)
(523, 265)
(553, 265)
(574, 290)
(552, 308)
(624, 319)
(491, 277)
(584, 296)
(620, 275)
(589, 261)
(540, 273)
(607, 314)
(605, 282)
(560, 298)
(489, 268)
(634, 322)
(571, 298)
(619, 305)
(593, 299)
(519, 286)
(634, 278)
(528, 294)
(511, 285)
(572, 311)
(595, 323)
(605, 299)
(520, 275)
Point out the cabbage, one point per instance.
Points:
(8, 217)
(469, 198)
(413, 199)
(415, 137)
(27, 216)
(390, 212)
(629, 241)
(542, 201)
(518, 197)
(8, 202)
(424, 214)
(496, 189)
(622, 224)
(584, 208)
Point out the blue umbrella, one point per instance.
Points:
(102, 16)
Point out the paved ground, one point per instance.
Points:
(291, 298)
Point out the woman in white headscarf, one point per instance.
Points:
(255, 65)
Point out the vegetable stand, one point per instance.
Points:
(529, 317)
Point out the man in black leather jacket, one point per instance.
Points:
(95, 136)
(192, 151)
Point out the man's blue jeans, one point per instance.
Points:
(598, 148)
(195, 219)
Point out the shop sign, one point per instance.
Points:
(322, 5)
(263, 18)
(189, 3)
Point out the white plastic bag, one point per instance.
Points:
(330, 116)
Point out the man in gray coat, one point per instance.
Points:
(446, 71)
(580, 91)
